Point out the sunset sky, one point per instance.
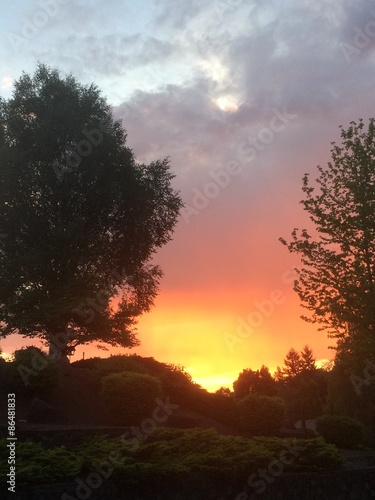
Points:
(245, 97)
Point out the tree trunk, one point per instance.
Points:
(58, 347)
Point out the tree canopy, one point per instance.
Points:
(254, 382)
(336, 282)
(82, 218)
(296, 364)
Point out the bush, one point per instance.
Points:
(344, 432)
(36, 464)
(261, 415)
(32, 372)
(192, 457)
(129, 396)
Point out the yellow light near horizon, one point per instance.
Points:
(213, 382)
(7, 356)
(206, 333)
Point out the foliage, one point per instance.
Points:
(292, 366)
(115, 364)
(337, 280)
(261, 415)
(297, 364)
(315, 454)
(36, 464)
(301, 385)
(307, 360)
(341, 399)
(254, 382)
(302, 399)
(130, 397)
(175, 382)
(224, 391)
(32, 372)
(174, 455)
(344, 432)
(351, 391)
(82, 218)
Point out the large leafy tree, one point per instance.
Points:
(80, 218)
(336, 282)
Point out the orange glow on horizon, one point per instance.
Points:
(218, 334)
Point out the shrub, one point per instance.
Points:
(261, 415)
(36, 464)
(189, 456)
(32, 372)
(129, 396)
(344, 432)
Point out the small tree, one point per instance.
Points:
(307, 360)
(254, 382)
(299, 388)
(82, 217)
(292, 366)
(337, 280)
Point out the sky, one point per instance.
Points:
(245, 97)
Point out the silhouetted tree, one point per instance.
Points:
(292, 366)
(308, 361)
(224, 391)
(336, 282)
(82, 218)
(254, 382)
(306, 400)
(302, 393)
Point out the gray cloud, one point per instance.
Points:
(167, 63)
